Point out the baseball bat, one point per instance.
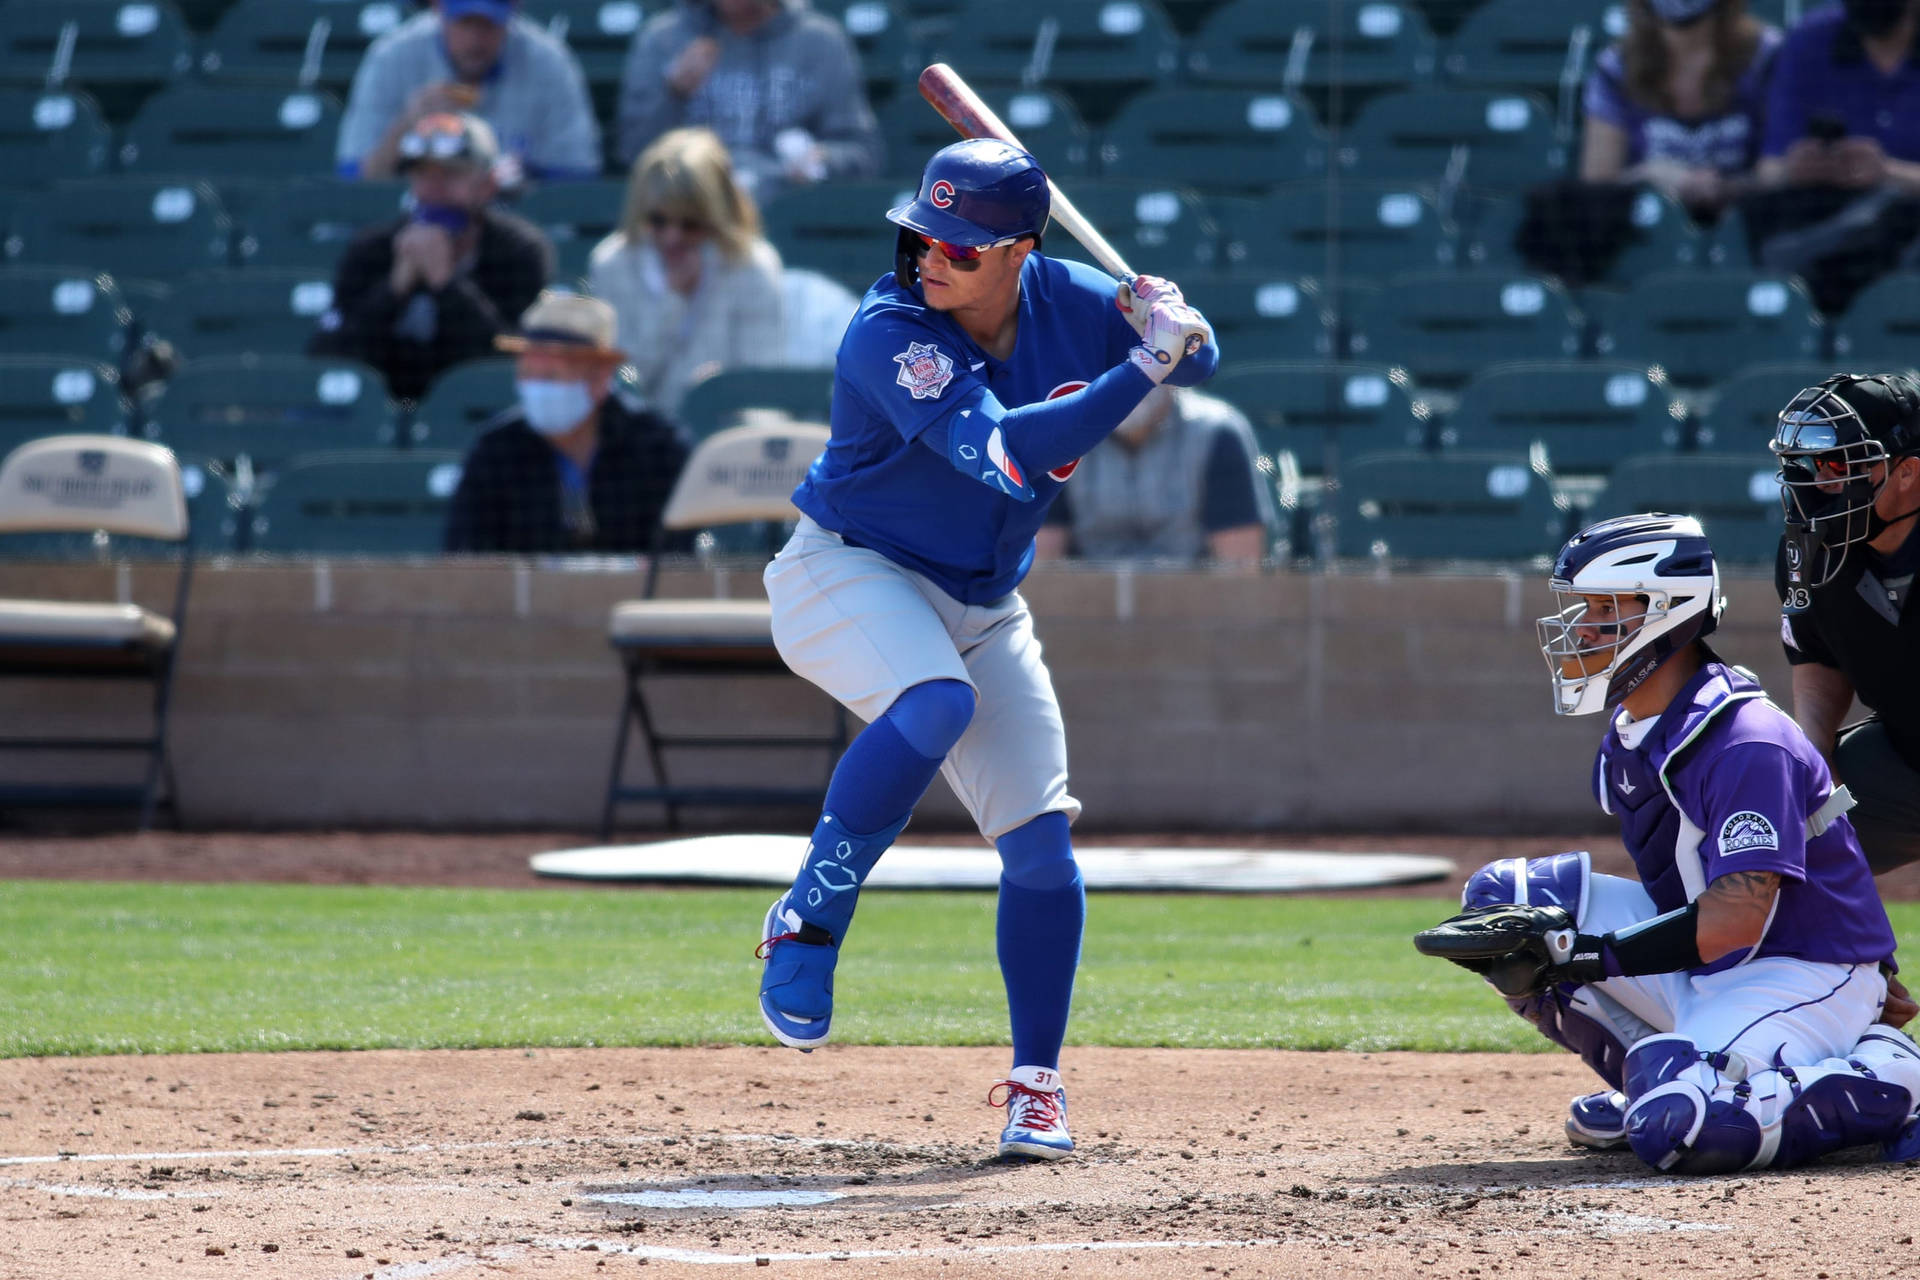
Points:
(950, 95)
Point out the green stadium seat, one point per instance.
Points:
(1745, 408)
(304, 226)
(230, 313)
(1216, 140)
(1259, 315)
(1411, 136)
(121, 49)
(202, 15)
(1159, 229)
(1329, 230)
(54, 310)
(1442, 327)
(1302, 408)
(1485, 225)
(366, 502)
(53, 395)
(1736, 497)
(1450, 506)
(1525, 44)
(599, 32)
(725, 399)
(1097, 50)
(1664, 239)
(576, 216)
(50, 134)
(1882, 327)
(281, 41)
(1364, 46)
(839, 229)
(269, 408)
(1045, 121)
(239, 130)
(130, 227)
(461, 402)
(1586, 414)
(889, 54)
(1700, 326)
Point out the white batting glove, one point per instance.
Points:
(1136, 297)
(1173, 330)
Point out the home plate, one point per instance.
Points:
(772, 860)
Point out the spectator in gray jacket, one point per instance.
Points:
(779, 83)
(478, 56)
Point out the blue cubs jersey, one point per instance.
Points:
(903, 368)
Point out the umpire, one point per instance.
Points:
(1849, 453)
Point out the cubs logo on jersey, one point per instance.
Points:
(925, 370)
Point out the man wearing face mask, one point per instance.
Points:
(576, 466)
(437, 285)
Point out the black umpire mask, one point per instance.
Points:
(1873, 18)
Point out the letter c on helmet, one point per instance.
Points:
(941, 194)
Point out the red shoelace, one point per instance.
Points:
(765, 949)
(1037, 1110)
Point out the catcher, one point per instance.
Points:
(1731, 999)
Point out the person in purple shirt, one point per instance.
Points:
(1731, 998)
(1844, 108)
(1680, 102)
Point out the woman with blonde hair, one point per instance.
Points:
(696, 286)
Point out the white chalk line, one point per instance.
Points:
(107, 1193)
(429, 1148)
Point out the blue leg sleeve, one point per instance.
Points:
(1043, 909)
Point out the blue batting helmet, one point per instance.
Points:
(976, 193)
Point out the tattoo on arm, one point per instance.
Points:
(1747, 888)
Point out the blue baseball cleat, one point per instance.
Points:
(1904, 1145)
(1598, 1120)
(796, 987)
(1036, 1114)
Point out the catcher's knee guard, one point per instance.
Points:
(1866, 1097)
(1673, 1124)
(1570, 1017)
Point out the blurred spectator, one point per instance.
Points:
(479, 56)
(1679, 103)
(1175, 481)
(435, 286)
(696, 286)
(573, 467)
(779, 83)
(1842, 148)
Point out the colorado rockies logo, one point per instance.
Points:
(941, 194)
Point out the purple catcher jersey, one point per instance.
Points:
(903, 367)
(1723, 782)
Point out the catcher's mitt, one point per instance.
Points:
(1516, 948)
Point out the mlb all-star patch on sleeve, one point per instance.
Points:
(909, 374)
(1751, 798)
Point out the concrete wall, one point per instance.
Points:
(482, 694)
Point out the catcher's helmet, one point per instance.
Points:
(1662, 560)
(977, 193)
(1828, 441)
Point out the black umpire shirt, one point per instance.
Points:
(511, 498)
(412, 339)
(1865, 625)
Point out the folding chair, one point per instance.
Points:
(50, 134)
(241, 131)
(740, 475)
(88, 484)
(1215, 140)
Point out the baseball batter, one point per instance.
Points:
(1730, 999)
(969, 383)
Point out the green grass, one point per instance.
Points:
(125, 968)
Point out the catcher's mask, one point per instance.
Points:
(1829, 441)
(1632, 592)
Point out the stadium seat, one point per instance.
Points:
(1745, 408)
(1882, 327)
(1303, 408)
(1161, 230)
(1735, 495)
(270, 408)
(460, 403)
(230, 313)
(130, 227)
(358, 503)
(1216, 140)
(1045, 120)
(1527, 45)
(1096, 50)
(1664, 239)
(304, 226)
(745, 475)
(1329, 230)
(1451, 506)
(1586, 414)
(1485, 227)
(202, 15)
(121, 49)
(1699, 326)
(86, 485)
(282, 42)
(237, 130)
(1443, 326)
(889, 55)
(576, 216)
(598, 31)
(839, 229)
(1366, 46)
(728, 397)
(1411, 136)
(1260, 315)
(52, 395)
(50, 134)
(54, 310)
